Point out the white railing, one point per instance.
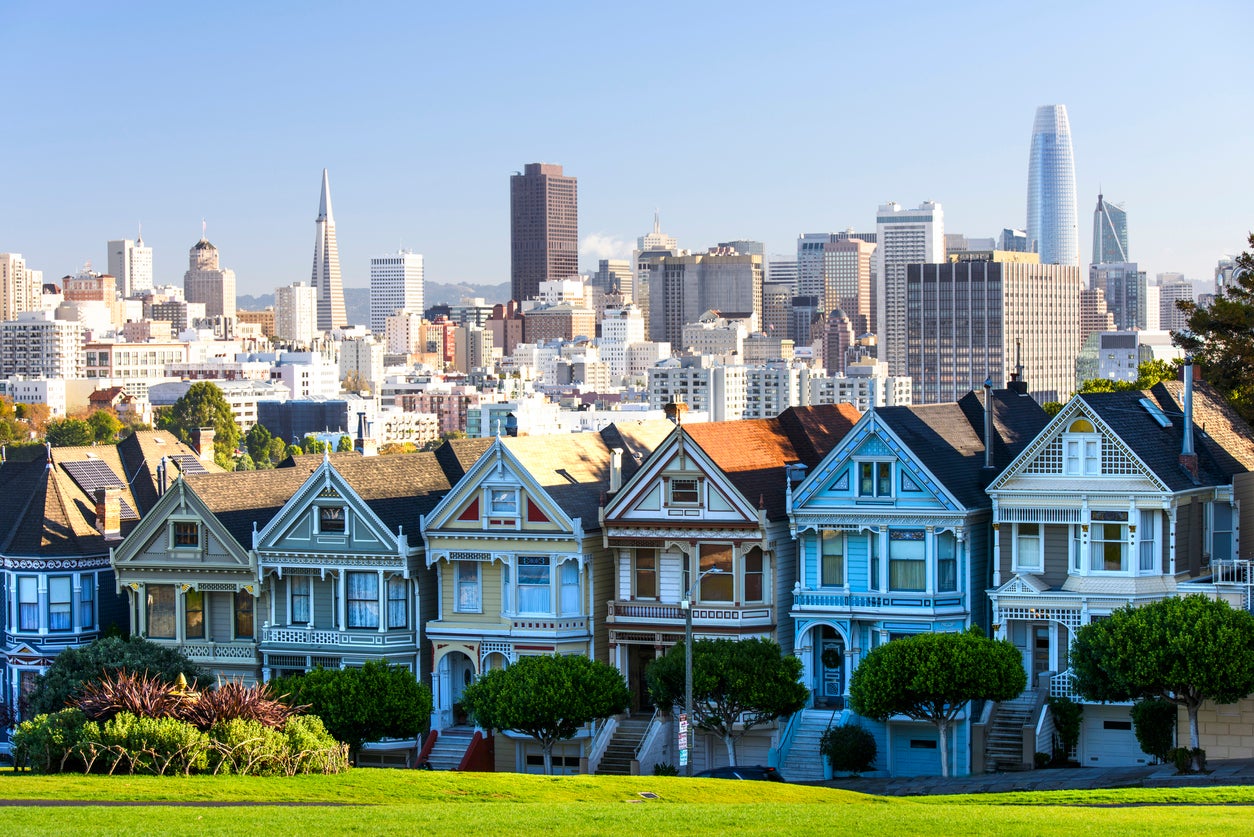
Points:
(219, 651)
(654, 747)
(353, 639)
(875, 601)
(702, 614)
(601, 738)
(550, 623)
(1062, 685)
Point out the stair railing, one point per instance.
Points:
(776, 756)
(601, 738)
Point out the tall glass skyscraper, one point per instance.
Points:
(1110, 233)
(1052, 210)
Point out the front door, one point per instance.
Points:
(830, 667)
(1040, 652)
(638, 660)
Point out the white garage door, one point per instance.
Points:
(1107, 739)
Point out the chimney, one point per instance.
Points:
(988, 423)
(202, 441)
(1017, 384)
(363, 444)
(616, 469)
(675, 411)
(109, 513)
(161, 477)
(1188, 456)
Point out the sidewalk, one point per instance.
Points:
(1223, 772)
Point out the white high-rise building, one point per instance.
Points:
(396, 284)
(903, 236)
(296, 313)
(326, 265)
(131, 263)
(205, 281)
(21, 289)
(38, 346)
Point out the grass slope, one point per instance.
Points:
(393, 801)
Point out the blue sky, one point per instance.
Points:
(737, 120)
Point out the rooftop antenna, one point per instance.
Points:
(203, 227)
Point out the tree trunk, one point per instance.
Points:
(942, 729)
(548, 757)
(731, 749)
(1195, 763)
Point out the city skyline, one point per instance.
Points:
(459, 125)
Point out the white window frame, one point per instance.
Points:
(477, 585)
(1126, 560)
(318, 530)
(696, 488)
(838, 538)
(66, 581)
(87, 601)
(509, 499)
(1147, 547)
(174, 523)
(1017, 551)
(294, 581)
(519, 584)
(565, 589)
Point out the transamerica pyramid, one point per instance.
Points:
(326, 266)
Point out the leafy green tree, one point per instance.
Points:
(931, 677)
(11, 430)
(736, 685)
(68, 433)
(35, 415)
(245, 463)
(310, 444)
(64, 679)
(547, 697)
(292, 451)
(1221, 337)
(1052, 408)
(359, 705)
(104, 427)
(1183, 650)
(204, 406)
(1148, 373)
(1154, 722)
(345, 445)
(257, 442)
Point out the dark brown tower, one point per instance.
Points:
(544, 228)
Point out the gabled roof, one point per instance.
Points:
(141, 453)
(815, 431)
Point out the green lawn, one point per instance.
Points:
(394, 801)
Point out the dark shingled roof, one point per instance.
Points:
(141, 453)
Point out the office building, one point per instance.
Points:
(1014, 241)
(1095, 317)
(131, 262)
(1110, 233)
(903, 236)
(544, 228)
(1118, 355)
(980, 314)
(1124, 288)
(37, 346)
(682, 288)
(361, 359)
(326, 265)
(777, 307)
(207, 282)
(396, 284)
(782, 271)
(1052, 212)
(847, 280)
(296, 313)
(21, 288)
(1170, 317)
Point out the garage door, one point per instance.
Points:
(1107, 739)
(915, 751)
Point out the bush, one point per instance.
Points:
(311, 748)
(1188, 761)
(64, 680)
(1043, 760)
(233, 699)
(148, 746)
(46, 743)
(665, 768)
(1067, 717)
(849, 748)
(248, 748)
(1155, 724)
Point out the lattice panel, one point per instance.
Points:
(1115, 461)
(1048, 461)
(1061, 615)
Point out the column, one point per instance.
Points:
(929, 560)
(997, 554)
(180, 614)
(383, 603)
(1171, 542)
(42, 598)
(140, 597)
(342, 610)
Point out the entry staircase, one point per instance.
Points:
(1003, 750)
(450, 747)
(626, 740)
(803, 762)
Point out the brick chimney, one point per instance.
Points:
(202, 441)
(109, 512)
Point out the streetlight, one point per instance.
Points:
(687, 606)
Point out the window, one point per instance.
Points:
(1082, 448)
(467, 581)
(398, 609)
(1108, 541)
(301, 597)
(160, 611)
(243, 615)
(1147, 532)
(87, 602)
(194, 614)
(570, 588)
(717, 587)
(907, 568)
(1028, 546)
(507, 601)
(946, 563)
(186, 534)
(533, 585)
(60, 603)
(363, 600)
(1221, 531)
(331, 520)
(685, 492)
(873, 554)
(646, 573)
(832, 571)
(503, 501)
(875, 479)
(753, 561)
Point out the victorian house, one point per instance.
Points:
(893, 537)
(1124, 498)
(704, 520)
(519, 563)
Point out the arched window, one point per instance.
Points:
(1082, 449)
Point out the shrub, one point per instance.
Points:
(849, 748)
(45, 743)
(311, 748)
(1187, 760)
(248, 748)
(63, 682)
(1155, 724)
(665, 768)
(1043, 760)
(150, 746)
(232, 699)
(136, 694)
(1067, 717)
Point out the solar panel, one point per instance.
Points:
(91, 474)
(189, 464)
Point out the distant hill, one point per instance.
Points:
(357, 300)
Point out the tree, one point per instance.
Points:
(736, 685)
(547, 697)
(392, 448)
(11, 430)
(1183, 650)
(64, 679)
(1221, 337)
(354, 381)
(931, 677)
(204, 406)
(245, 463)
(104, 427)
(68, 433)
(1052, 408)
(345, 445)
(1148, 373)
(359, 705)
(257, 442)
(35, 415)
(312, 444)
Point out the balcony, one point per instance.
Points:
(879, 604)
(308, 638)
(703, 615)
(219, 652)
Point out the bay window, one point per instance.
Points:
(646, 574)
(1027, 546)
(194, 614)
(569, 595)
(466, 580)
(1146, 536)
(873, 560)
(717, 587)
(87, 601)
(363, 600)
(534, 584)
(243, 614)
(398, 610)
(946, 563)
(754, 564)
(60, 603)
(301, 597)
(160, 616)
(832, 559)
(907, 562)
(1108, 541)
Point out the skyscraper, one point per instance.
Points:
(396, 284)
(296, 313)
(544, 228)
(205, 281)
(326, 265)
(20, 287)
(903, 236)
(1052, 209)
(131, 262)
(1110, 233)
(1123, 286)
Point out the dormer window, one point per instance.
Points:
(1082, 449)
(875, 479)
(503, 501)
(185, 534)
(331, 520)
(685, 491)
